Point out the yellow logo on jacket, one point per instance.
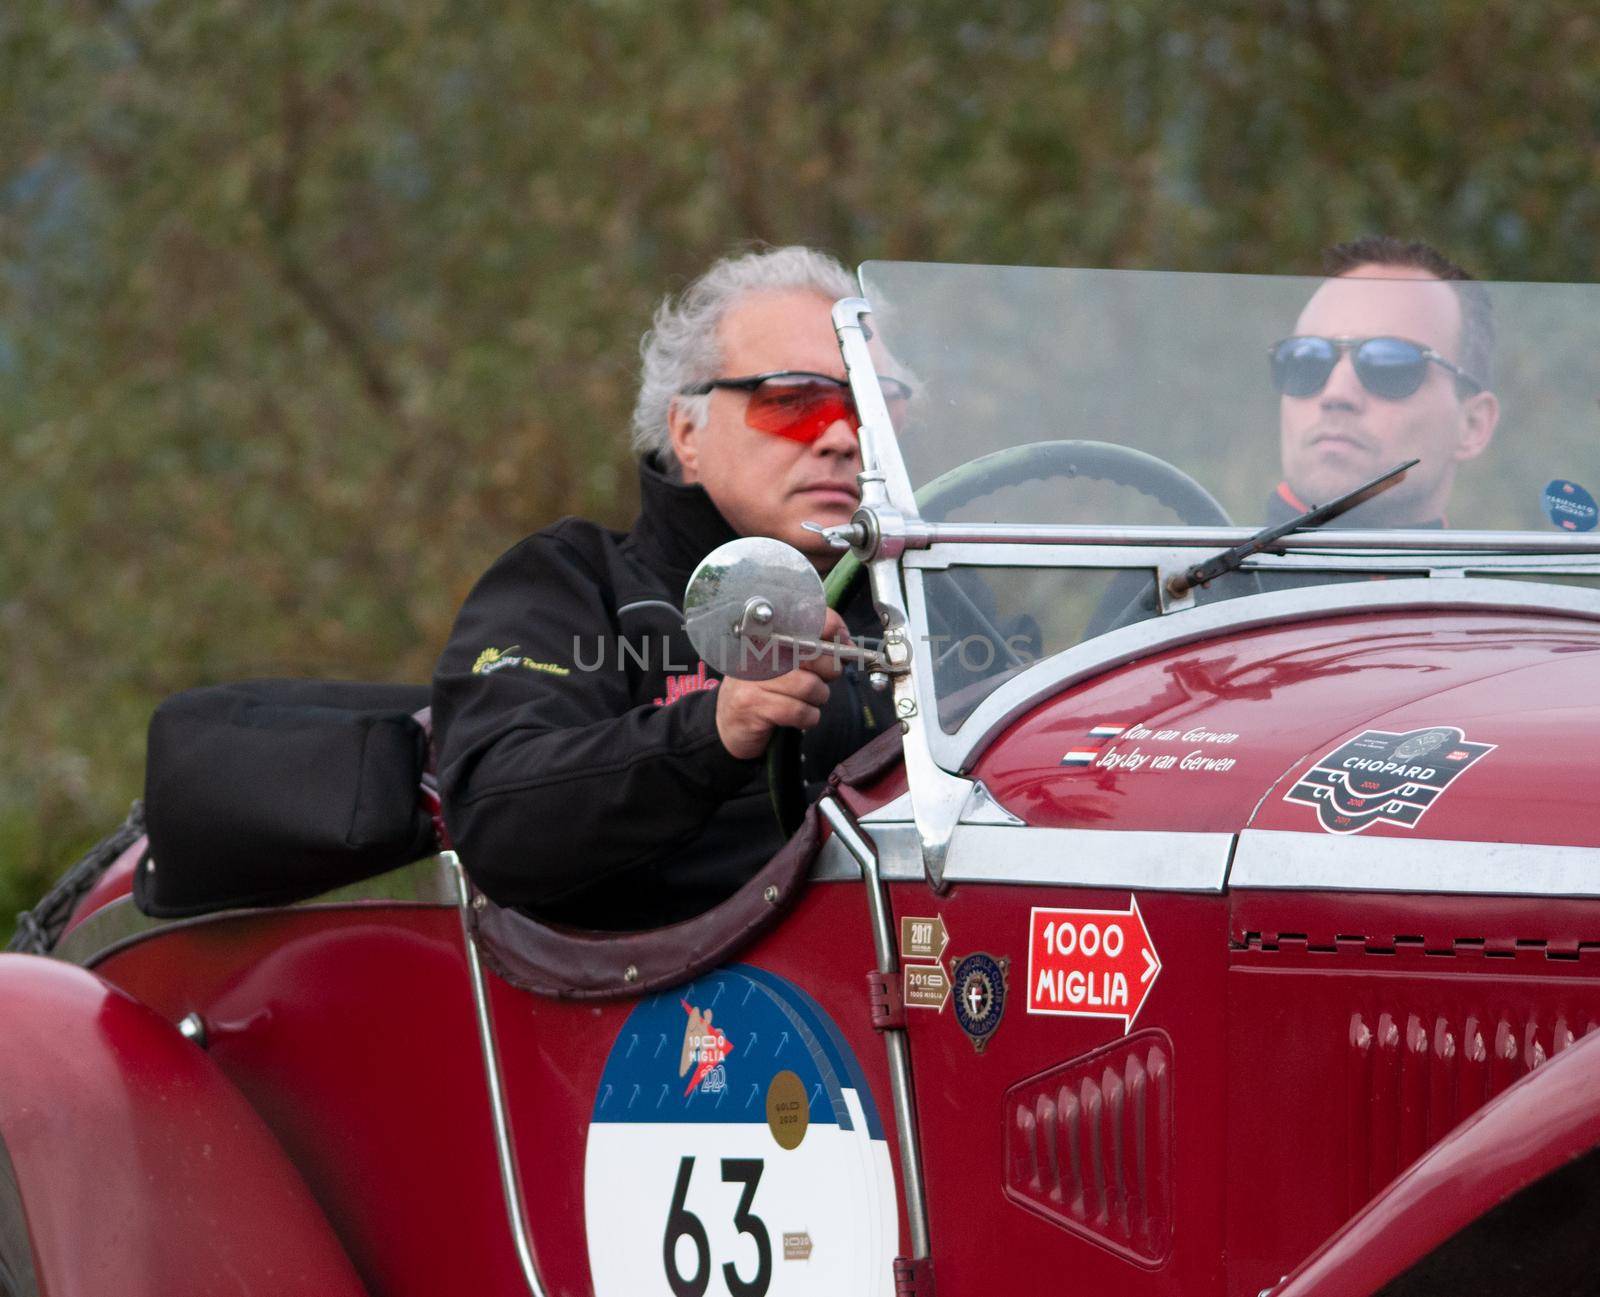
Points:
(495, 659)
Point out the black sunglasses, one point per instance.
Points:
(1392, 368)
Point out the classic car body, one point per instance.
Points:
(1208, 945)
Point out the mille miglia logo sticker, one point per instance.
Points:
(1379, 775)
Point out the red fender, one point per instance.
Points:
(140, 1169)
(1545, 1121)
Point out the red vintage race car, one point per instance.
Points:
(1224, 917)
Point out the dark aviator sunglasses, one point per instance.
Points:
(799, 404)
(1392, 368)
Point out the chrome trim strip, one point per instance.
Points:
(1148, 861)
(1278, 859)
(894, 1039)
(987, 534)
(947, 555)
(510, 1186)
(899, 855)
(1049, 676)
(834, 865)
(120, 923)
(897, 811)
(1048, 857)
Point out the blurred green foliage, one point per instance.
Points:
(308, 308)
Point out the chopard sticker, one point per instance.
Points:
(494, 659)
(978, 984)
(1379, 775)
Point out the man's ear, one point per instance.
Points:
(1480, 413)
(683, 432)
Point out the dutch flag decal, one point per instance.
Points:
(1101, 734)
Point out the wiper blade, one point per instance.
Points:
(1231, 559)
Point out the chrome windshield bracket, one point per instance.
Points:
(884, 480)
(505, 1156)
(894, 1038)
(937, 796)
(1166, 578)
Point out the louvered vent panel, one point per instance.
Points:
(1090, 1146)
(1415, 1076)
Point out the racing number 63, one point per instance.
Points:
(681, 1222)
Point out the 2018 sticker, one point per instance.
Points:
(1384, 776)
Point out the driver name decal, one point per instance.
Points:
(1381, 775)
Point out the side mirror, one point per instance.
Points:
(754, 608)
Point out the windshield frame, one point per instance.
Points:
(898, 546)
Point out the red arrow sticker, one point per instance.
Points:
(1090, 963)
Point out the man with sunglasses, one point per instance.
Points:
(1389, 360)
(592, 768)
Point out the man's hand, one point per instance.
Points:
(749, 710)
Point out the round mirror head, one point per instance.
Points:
(744, 593)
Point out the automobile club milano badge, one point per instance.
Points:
(1379, 775)
(978, 992)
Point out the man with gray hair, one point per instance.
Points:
(592, 768)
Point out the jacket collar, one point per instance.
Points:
(1283, 504)
(677, 524)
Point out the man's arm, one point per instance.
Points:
(553, 774)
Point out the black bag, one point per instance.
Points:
(271, 791)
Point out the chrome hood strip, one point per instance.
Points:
(1279, 859)
(120, 923)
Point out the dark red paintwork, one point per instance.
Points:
(142, 1170)
(1525, 683)
(1313, 1045)
(1537, 1127)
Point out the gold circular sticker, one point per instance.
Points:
(788, 1113)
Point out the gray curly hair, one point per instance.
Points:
(682, 348)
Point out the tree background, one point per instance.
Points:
(309, 308)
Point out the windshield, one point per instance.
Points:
(1179, 366)
(1227, 400)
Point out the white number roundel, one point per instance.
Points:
(735, 1149)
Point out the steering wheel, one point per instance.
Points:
(1096, 460)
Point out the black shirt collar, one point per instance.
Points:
(677, 524)
(1283, 505)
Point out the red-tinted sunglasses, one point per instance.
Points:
(800, 405)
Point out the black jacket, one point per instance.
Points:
(579, 763)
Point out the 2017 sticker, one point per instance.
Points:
(1383, 776)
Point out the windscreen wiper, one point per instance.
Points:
(1232, 559)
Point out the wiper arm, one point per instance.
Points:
(1231, 559)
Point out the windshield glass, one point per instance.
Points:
(1216, 400)
(1181, 367)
